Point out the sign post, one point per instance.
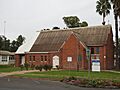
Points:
(88, 58)
(69, 59)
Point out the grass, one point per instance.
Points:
(79, 74)
(62, 74)
(9, 68)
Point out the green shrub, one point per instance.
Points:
(21, 67)
(32, 66)
(39, 67)
(93, 83)
(49, 67)
(26, 66)
(46, 67)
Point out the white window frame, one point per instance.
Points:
(69, 59)
(4, 58)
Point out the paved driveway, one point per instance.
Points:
(32, 84)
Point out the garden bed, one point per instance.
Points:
(96, 83)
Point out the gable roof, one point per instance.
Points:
(52, 40)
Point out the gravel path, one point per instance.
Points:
(17, 72)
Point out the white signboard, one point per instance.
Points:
(69, 59)
(96, 65)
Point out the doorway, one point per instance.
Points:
(55, 61)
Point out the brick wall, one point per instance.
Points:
(17, 60)
(40, 58)
(110, 52)
(72, 48)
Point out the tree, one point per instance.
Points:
(118, 51)
(119, 46)
(1, 42)
(73, 21)
(4, 43)
(13, 46)
(103, 7)
(55, 28)
(20, 40)
(116, 5)
(116, 8)
(83, 24)
(7, 45)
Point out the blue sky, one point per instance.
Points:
(25, 17)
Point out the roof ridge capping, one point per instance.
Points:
(70, 29)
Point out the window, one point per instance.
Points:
(69, 59)
(45, 58)
(41, 58)
(30, 58)
(33, 58)
(4, 58)
(80, 57)
(11, 58)
(92, 50)
(97, 50)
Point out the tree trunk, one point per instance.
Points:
(116, 37)
(103, 19)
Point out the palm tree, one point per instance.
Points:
(116, 7)
(103, 8)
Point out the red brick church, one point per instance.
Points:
(64, 47)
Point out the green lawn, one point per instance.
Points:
(9, 68)
(80, 74)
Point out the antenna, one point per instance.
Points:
(4, 27)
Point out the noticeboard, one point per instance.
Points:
(96, 65)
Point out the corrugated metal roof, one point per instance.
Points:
(52, 40)
(94, 36)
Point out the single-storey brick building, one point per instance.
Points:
(66, 47)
